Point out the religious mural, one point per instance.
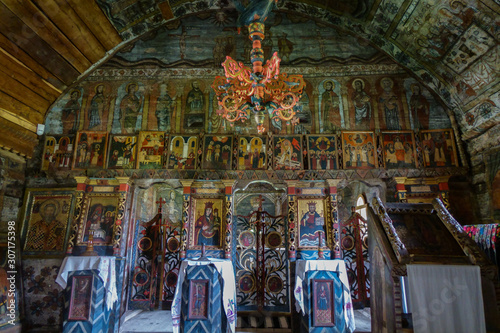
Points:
(97, 115)
(438, 147)
(207, 224)
(57, 152)
(359, 150)
(46, 221)
(322, 152)
(65, 115)
(287, 152)
(163, 101)
(129, 107)
(151, 152)
(252, 153)
(361, 108)
(424, 110)
(217, 152)
(195, 108)
(90, 150)
(331, 113)
(399, 150)
(183, 152)
(312, 222)
(391, 115)
(122, 152)
(98, 218)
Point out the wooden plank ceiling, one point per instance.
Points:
(44, 47)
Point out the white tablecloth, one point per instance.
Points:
(225, 269)
(105, 266)
(336, 265)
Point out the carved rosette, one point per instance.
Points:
(398, 246)
(292, 213)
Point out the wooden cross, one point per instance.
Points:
(261, 200)
(160, 203)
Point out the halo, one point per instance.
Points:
(76, 90)
(415, 85)
(324, 84)
(387, 79)
(45, 204)
(132, 83)
(98, 85)
(360, 80)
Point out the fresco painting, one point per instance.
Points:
(97, 116)
(207, 223)
(90, 150)
(151, 152)
(359, 150)
(361, 109)
(438, 148)
(163, 101)
(424, 111)
(287, 152)
(217, 152)
(183, 152)
(252, 153)
(331, 115)
(57, 152)
(122, 152)
(195, 106)
(322, 152)
(129, 108)
(399, 150)
(392, 115)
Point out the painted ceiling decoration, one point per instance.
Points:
(451, 46)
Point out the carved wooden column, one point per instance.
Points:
(186, 184)
(81, 185)
(335, 232)
(292, 220)
(123, 189)
(228, 184)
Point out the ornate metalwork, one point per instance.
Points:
(399, 248)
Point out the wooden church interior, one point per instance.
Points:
(121, 164)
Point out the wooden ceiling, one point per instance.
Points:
(45, 45)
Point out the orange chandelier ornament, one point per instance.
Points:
(259, 91)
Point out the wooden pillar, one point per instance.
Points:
(292, 220)
(228, 184)
(123, 189)
(81, 185)
(186, 184)
(336, 252)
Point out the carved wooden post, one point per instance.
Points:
(186, 184)
(81, 185)
(335, 232)
(117, 228)
(228, 184)
(292, 220)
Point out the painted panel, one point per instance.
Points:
(252, 153)
(438, 147)
(151, 152)
(217, 152)
(287, 152)
(90, 150)
(322, 152)
(183, 152)
(122, 152)
(58, 152)
(399, 150)
(359, 150)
